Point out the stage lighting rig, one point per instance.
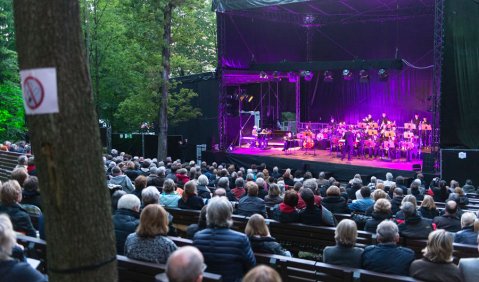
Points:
(363, 76)
(292, 77)
(383, 74)
(263, 75)
(308, 75)
(328, 76)
(347, 74)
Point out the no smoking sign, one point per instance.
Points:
(39, 87)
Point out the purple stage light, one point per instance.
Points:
(347, 74)
(328, 76)
(383, 74)
(308, 75)
(363, 76)
(292, 77)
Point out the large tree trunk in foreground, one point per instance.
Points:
(67, 147)
(163, 113)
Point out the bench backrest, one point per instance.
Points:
(8, 161)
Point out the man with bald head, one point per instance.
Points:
(449, 221)
(185, 265)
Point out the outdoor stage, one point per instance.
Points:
(322, 161)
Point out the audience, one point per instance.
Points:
(195, 227)
(441, 193)
(31, 192)
(437, 263)
(334, 202)
(414, 226)
(260, 239)
(150, 195)
(169, 198)
(239, 190)
(274, 196)
(286, 211)
(467, 235)
(126, 219)
(251, 204)
(344, 253)
(449, 220)
(363, 204)
(150, 242)
(468, 187)
(186, 264)
(12, 269)
(407, 199)
(262, 273)
(387, 256)
(10, 197)
(140, 184)
(382, 211)
(226, 252)
(428, 208)
(469, 266)
(189, 199)
(118, 178)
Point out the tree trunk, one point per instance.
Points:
(79, 229)
(163, 114)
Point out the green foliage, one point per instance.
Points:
(12, 115)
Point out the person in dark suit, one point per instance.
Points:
(349, 144)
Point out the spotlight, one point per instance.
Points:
(308, 19)
(363, 76)
(250, 98)
(383, 74)
(263, 75)
(307, 75)
(347, 74)
(292, 77)
(328, 76)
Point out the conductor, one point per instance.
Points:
(349, 143)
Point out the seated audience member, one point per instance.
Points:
(363, 204)
(10, 196)
(182, 177)
(428, 208)
(115, 198)
(459, 197)
(126, 219)
(416, 190)
(437, 263)
(186, 264)
(169, 198)
(224, 183)
(118, 178)
(189, 199)
(387, 256)
(251, 204)
(156, 178)
(382, 211)
(441, 193)
(260, 239)
(150, 195)
(396, 200)
(354, 185)
(449, 220)
(150, 242)
(239, 190)
(344, 253)
(286, 211)
(407, 199)
(288, 178)
(262, 273)
(273, 198)
(20, 175)
(195, 227)
(414, 226)
(311, 214)
(140, 184)
(468, 187)
(334, 202)
(261, 187)
(376, 195)
(10, 268)
(389, 182)
(131, 170)
(226, 252)
(467, 234)
(22, 162)
(400, 183)
(31, 192)
(202, 187)
(469, 266)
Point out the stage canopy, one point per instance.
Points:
(261, 42)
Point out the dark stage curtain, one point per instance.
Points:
(460, 82)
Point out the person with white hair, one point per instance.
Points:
(202, 187)
(389, 181)
(150, 195)
(262, 192)
(226, 252)
(416, 190)
(169, 197)
(275, 174)
(12, 269)
(387, 257)
(186, 264)
(126, 219)
(467, 234)
(11, 196)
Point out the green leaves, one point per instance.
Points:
(12, 114)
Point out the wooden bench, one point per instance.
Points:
(8, 161)
(35, 248)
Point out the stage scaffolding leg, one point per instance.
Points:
(223, 142)
(298, 103)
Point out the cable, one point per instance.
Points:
(416, 67)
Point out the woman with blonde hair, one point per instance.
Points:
(260, 239)
(344, 253)
(150, 242)
(428, 207)
(408, 198)
(262, 273)
(437, 265)
(190, 199)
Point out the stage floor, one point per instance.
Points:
(326, 156)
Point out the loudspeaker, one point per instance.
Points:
(428, 162)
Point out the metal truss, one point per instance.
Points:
(220, 21)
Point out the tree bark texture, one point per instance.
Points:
(165, 75)
(79, 229)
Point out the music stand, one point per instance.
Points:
(408, 135)
(426, 127)
(409, 126)
(372, 132)
(389, 134)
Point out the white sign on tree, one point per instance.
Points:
(39, 88)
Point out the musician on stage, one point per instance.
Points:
(368, 118)
(416, 121)
(384, 119)
(332, 123)
(288, 141)
(254, 133)
(349, 143)
(425, 134)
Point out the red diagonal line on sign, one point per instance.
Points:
(32, 95)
